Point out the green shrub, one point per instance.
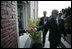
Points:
(36, 36)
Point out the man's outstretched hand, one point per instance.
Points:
(30, 30)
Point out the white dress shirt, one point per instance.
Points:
(57, 20)
(44, 20)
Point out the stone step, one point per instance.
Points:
(65, 43)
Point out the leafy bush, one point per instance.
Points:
(68, 25)
(36, 36)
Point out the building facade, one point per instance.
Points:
(10, 11)
(9, 32)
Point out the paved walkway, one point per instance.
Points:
(47, 44)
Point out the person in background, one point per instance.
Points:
(43, 20)
(60, 14)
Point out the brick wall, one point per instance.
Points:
(8, 24)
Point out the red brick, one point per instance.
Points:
(4, 3)
(4, 35)
(9, 5)
(8, 25)
(14, 3)
(4, 12)
(13, 7)
(3, 7)
(9, 8)
(9, 2)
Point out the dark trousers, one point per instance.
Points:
(44, 35)
(53, 44)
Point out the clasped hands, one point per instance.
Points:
(30, 30)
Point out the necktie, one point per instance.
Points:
(56, 21)
(44, 20)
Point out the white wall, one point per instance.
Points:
(33, 10)
(27, 12)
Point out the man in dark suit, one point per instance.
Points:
(43, 21)
(56, 28)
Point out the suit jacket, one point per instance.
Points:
(55, 30)
(42, 21)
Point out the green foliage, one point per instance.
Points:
(68, 24)
(34, 24)
(38, 20)
(36, 36)
(67, 20)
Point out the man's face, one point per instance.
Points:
(44, 13)
(53, 15)
(60, 15)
